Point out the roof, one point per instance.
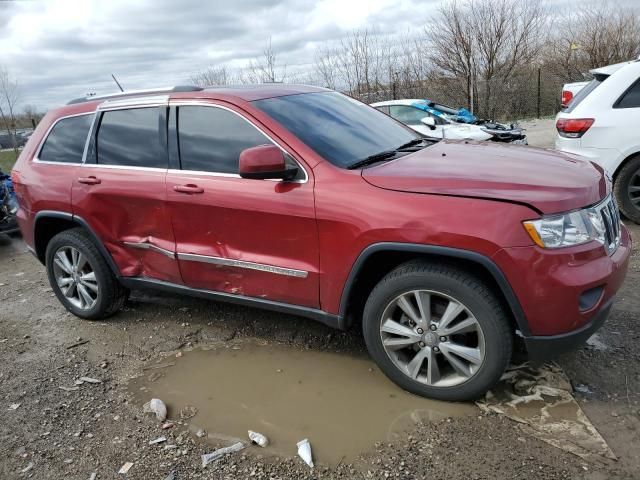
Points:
(404, 101)
(610, 69)
(243, 92)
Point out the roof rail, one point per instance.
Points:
(133, 93)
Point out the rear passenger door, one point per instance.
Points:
(120, 190)
(255, 238)
(55, 165)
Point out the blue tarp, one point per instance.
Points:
(462, 115)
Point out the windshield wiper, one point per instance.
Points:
(378, 157)
(410, 144)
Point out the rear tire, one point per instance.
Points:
(81, 278)
(476, 327)
(627, 189)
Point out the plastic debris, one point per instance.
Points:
(221, 452)
(167, 425)
(93, 476)
(89, 380)
(27, 468)
(125, 468)
(201, 433)
(171, 476)
(14, 406)
(157, 406)
(188, 412)
(540, 400)
(258, 438)
(69, 389)
(304, 451)
(158, 440)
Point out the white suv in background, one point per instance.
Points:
(602, 123)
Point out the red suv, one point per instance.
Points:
(305, 201)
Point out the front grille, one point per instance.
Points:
(608, 210)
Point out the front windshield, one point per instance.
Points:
(338, 128)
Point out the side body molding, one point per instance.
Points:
(443, 252)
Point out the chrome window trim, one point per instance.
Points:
(228, 262)
(151, 246)
(124, 167)
(36, 158)
(200, 103)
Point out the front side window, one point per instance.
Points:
(211, 139)
(338, 128)
(131, 138)
(65, 143)
(407, 115)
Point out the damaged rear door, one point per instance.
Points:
(120, 189)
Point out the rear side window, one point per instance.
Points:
(65, 143)
(630, 98)
(131, 138)
(211, 139)
(586, 90)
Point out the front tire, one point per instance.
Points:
(627, 189)
(81, 278)
(437, 331)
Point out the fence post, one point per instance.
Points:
(538, 102)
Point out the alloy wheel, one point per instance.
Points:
(75, 277)
(633, 190)
(432, 338)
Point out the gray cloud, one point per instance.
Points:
(57, 51)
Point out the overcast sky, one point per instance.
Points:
(59, 50)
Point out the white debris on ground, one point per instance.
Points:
(157, 406)
(596, 342)
(207, 458)
(125, 468)
(258, 438)
(541, 400)
(304, 451)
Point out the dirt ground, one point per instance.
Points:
(74, 432)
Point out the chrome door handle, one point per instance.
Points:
(89, 180)
(189, 188)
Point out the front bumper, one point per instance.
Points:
(566, 293)
(541, 348)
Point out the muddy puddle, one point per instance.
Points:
(342, 404)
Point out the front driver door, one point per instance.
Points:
(254, 238)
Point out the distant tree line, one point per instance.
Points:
(500, 58)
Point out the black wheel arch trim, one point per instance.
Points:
(446, 252)
(81, 222)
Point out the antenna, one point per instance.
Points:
(117, 82)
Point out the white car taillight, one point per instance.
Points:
(573, 127)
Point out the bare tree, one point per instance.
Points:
(487, 42)
(593, 36)
(265, 69)
(212, 76)
(9, 96)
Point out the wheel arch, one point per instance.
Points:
(378, 259)
(626, 159)
(48, 223)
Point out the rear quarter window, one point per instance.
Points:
(630, 98)
(65, 143)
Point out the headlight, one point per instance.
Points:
(567, 229)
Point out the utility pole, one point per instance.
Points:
(539, 92)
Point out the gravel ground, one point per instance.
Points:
(99, 427)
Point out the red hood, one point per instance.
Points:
(550, 182)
